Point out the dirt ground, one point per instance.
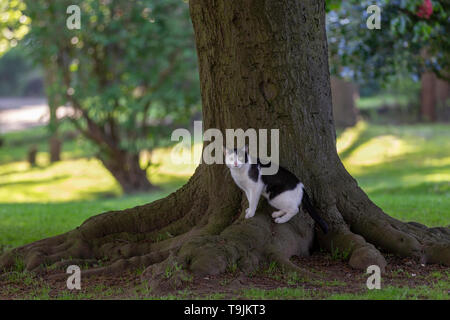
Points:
(334, 277)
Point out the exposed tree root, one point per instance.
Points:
(427, 245)
(188, 233)
(345, 244)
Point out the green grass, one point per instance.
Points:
(42, 201)
(278, 293)
(439, 291)
(18, 143)
(367, 103)
(22, 223)
(404, 169)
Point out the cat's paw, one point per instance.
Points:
(248, 213)
(277, 214)
(281, 220)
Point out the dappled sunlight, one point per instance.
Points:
(63, 181)
(432, 177)
(404, 169)
(436, 162)
(177, 161)
(83, 179)
(350, 136)
(378, 150)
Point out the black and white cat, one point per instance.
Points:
(283, 190)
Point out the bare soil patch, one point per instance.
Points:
(333, 277)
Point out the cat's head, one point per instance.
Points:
(236, 158)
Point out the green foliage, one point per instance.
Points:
(13, 24)
(337, 254)
(232, 268)
(171, 269)
(394, 50)
(130, 70)
(18, 74)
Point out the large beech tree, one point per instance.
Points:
(263, 64)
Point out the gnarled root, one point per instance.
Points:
(189, 231)
(202, 232)
(245, 244)
(348, 245)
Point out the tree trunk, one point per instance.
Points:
(434, 98)
(32, 152)
(343, 98)
(54, 101)
(55, 148)
(125, 168)
(263, 64)
(442, 100)
(428, 96)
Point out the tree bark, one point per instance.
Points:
(442, 100)
(428, 96)
(55, 148)
(263, 64)
(343, 98)
(32, 152)
(54, 101)
(125, 168)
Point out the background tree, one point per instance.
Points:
(128, 73)
(262, 65)
(408, 29)
(344, 94)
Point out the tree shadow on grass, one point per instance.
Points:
(35, 181)
(424, 188)
(364, 135)
(400, 168)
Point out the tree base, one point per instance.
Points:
(193, 232)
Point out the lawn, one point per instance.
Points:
(404, 169)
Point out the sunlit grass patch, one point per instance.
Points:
(81, 179)
(69, 180)
(350, 136)
(404, 169)
(378, 150)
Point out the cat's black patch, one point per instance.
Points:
(253, 172)
(282, 181)
(279, 182)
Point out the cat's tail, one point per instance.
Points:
(306, 203)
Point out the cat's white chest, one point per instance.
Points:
(241, 179)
